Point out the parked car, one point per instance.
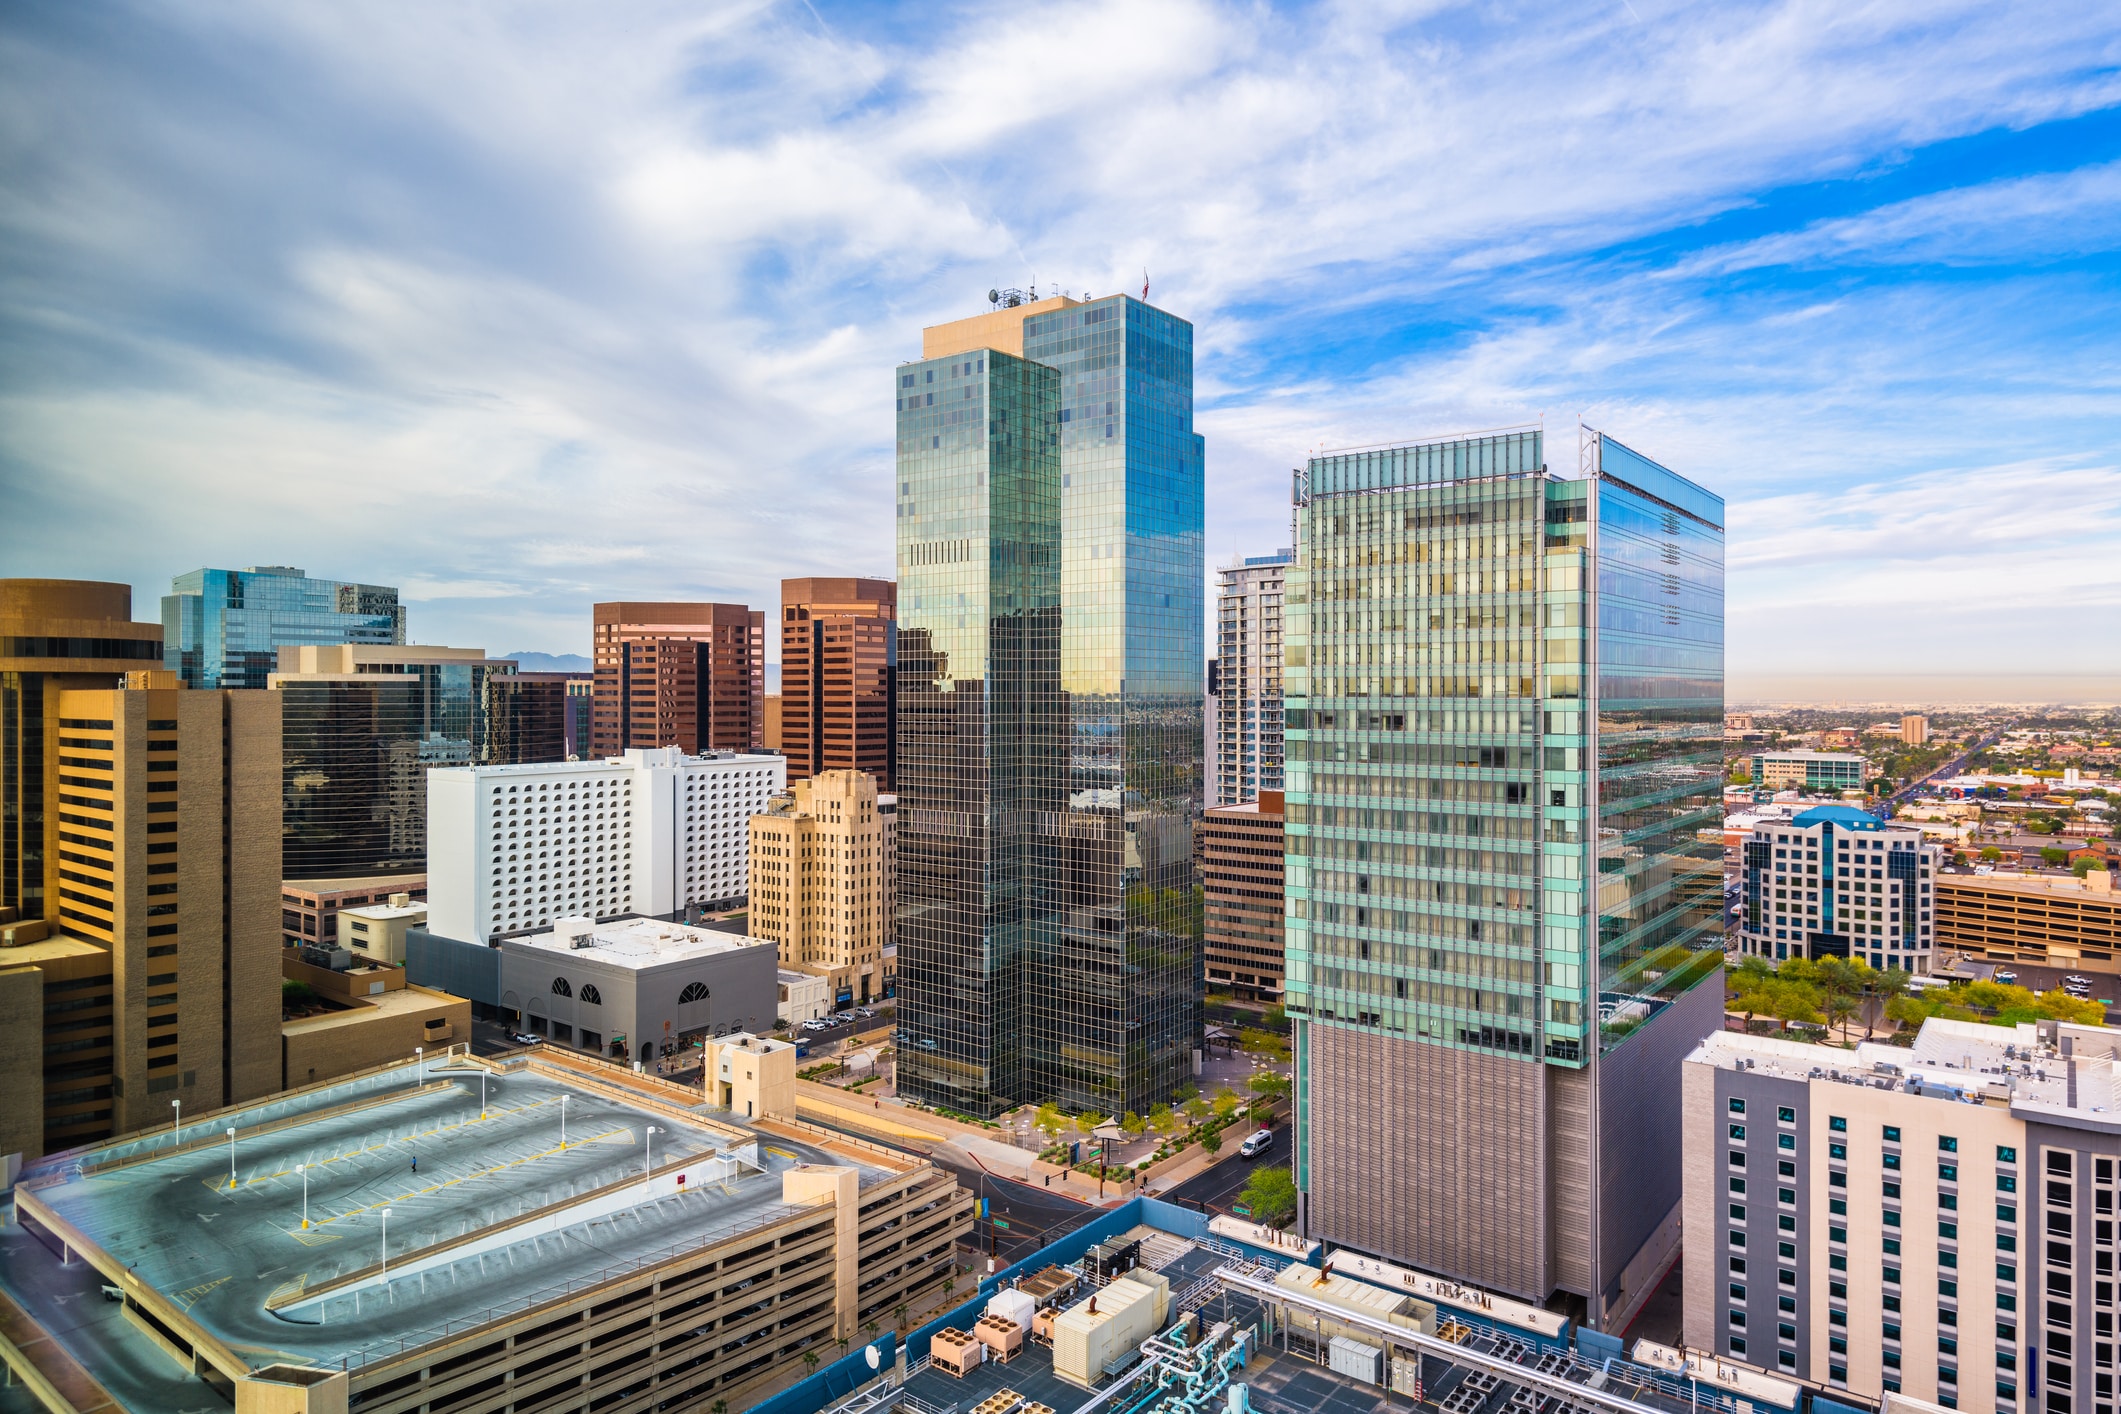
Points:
(2006, 976)
(525, 1038)
(1256, 1144)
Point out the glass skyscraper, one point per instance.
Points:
(1049, 717)
(1504, 717)
(225, 628)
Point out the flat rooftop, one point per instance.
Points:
(1953, 1062)
(458, 1186)
(636, 942)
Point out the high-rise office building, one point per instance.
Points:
(1836, 881)
(691, 676)
(1248, 676)
(580, 694)
(1914, 729)
(1242, 887)
(1505, 707)
(839, 649)
(817, 882)
(1211, 772)
(361, 727)
(524, 719)
(158, 965)
(225, 628)
(54, 634)
(1049, 708)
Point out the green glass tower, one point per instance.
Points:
(1504, 715)
(1049, 708)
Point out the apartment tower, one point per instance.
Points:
(1248, 703)
(817, 893)
(839, 650)
(1049, 713)
(1505, 707)
(691, 676)
(54, 634)
(1242, 886)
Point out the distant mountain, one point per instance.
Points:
(549, 662)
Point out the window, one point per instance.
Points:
(1892, 1134)
(590, 994)
(1947, 1143)
(1737, 1107)
(1838, 1124)
(694, 992)
(1738, 1132)
(560, 987)
(2005, 1154)
(1785, 1115)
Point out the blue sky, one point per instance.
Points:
(524, 306)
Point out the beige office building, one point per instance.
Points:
(1935, 1222)
(817, 893)
(1914, 729)
(159, 959)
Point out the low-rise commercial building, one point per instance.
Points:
(1835, 881)
(1809, 770)
(559, 1244)
(803, 996)
(636, 988)
(1937, 1222)
(1241, 882)
(376, 933)
(2051, 919)
(361, 1017)
(513, 848)
(309, 908)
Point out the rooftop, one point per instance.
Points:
(635, 942)
(385, 912)
(1807, 754)
(2029, 884)
(488, 1211)
(638, 756)
(2040, 1069)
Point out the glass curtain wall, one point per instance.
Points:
(982, 775)
(225, 628)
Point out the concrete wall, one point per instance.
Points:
(316, 1049)
(463, 969)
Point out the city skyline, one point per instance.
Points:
(1879, 244)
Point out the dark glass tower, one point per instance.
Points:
(1086, 960)
(225, 628)
(1505, 696)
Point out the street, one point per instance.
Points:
(1217, 1187)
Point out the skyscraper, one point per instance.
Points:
(691, 676)
(361, 728)
(839, 650)
(54, 634)
(1248, 676)
(160, 955)
(1504, 700)
(817, 864)
(1049, 765)
(225, 628)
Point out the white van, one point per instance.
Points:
(1258, 1143)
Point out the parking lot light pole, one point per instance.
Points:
(386, 1244)
(303, 1169)
(648, 1166)
(482, 1094)
(231, 1156)
(176, 1126)
(563, 1121)
(419, 1066)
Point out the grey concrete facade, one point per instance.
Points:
(597, 998)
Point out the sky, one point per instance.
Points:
(522, 306)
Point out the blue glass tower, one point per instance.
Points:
(1071, 971)
(1504, 857)
(225, 628)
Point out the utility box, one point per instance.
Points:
(1354, 1359)
(1107, 1324)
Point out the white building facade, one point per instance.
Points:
(653, 832)
(1248, 656)
(1838, 882)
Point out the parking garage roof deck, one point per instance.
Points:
(497, 1216)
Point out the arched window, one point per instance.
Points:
(589, 994)
(694, 992)
(560, 987)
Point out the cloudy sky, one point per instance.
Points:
(519, 306)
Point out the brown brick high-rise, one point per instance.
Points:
(1241, 878)
(837, 660)
(691, 676)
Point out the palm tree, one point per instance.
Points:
(898, 1314)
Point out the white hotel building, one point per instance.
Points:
(1834, 881)
(652, 832)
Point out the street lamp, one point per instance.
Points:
(303, 1169)
(231, 1156)
(648, 1167)
(482, 1094)
(563, 1121)
(176, 1125)
(419, 1066)
(386, 1245)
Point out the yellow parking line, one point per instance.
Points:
(220, 1187)
(446, 1183)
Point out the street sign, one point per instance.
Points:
(1002, 1223)
(1240, 1210)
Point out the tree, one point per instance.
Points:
(1198, 1111)
(2053, 857)
(810, 1360)
(1090, 1121)
(1227, 1103)
(1269, 1085)
(1990, 854)
(1165, 1121)
(1050, 1122)
(1885, 987)
(1254, 1041)
(1131, 1124)
(2085, 865)
(2061, 1006)
(1270, 1194)
(898, 1314)
(1212, 1141)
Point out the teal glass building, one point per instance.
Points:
(1504, 712)
(1049, 710)
(225, 628)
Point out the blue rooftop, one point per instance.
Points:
(1848, 817)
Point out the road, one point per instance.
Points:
(1949, 768)
(1034, 1215)
(1217, 1187)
